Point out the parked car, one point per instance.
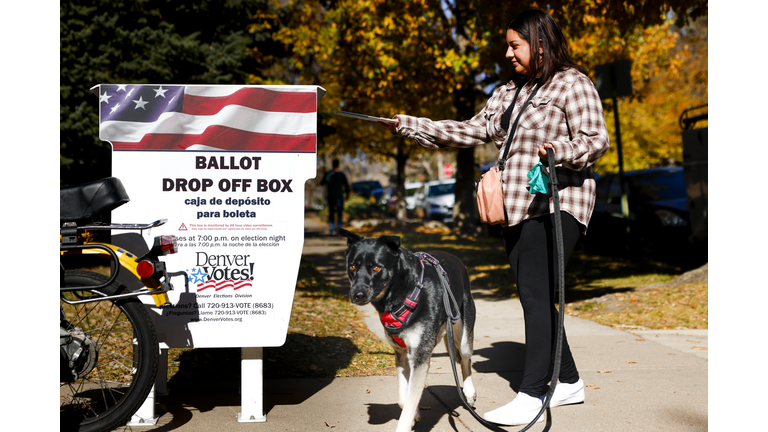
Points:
(658, 226)
(410, 199)
(365, 188)
(435, 199)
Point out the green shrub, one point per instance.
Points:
(358, 207)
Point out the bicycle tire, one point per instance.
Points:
(125, 364)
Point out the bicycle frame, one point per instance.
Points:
(76, 240)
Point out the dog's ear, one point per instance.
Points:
(392, 241)
(351, 237)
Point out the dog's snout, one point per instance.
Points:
(359, 297)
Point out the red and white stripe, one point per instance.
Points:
(239, 118)
(219, 285)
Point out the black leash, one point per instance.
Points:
(552, 174)
(453, 314)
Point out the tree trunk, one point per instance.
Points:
(464, 210)
(401, 158)
(465, 218)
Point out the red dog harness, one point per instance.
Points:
(394, 321)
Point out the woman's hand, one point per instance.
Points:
(543, 152)
(391, 126)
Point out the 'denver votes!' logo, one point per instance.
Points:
(217, 272)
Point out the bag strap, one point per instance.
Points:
(567, 125)
(503, 161)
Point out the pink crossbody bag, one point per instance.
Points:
(490, 195)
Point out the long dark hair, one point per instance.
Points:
(540, 30)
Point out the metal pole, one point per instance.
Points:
(624, 201)
(146, 415)
(252, 385)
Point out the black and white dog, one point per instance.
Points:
(407, 292)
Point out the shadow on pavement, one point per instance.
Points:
(506, 359)
(443, 400)
(293, 391)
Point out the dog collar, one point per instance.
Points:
(393, 322)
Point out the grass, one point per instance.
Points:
(326, 335)
(665, 307)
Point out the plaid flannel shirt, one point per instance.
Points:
(568, 99)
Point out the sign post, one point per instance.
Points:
(614, 80)
(447, 170)
(226, 165)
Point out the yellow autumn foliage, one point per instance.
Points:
(431, 58)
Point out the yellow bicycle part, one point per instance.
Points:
(129, 262)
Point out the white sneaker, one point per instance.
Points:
(566, 394)
(520, 411)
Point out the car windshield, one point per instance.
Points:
(659, 186)
(440, 189)
(411, 192)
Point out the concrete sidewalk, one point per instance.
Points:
(639, 381)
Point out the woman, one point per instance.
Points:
(565, 114)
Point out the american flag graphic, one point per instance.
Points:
(220, 285)
(197, 117)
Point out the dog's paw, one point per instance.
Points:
(417, 417)
(471, 398)
(470, 394)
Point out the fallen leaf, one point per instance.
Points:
(604, 371)
(631, 361)
(700, 348)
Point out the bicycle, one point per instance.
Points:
(109, 347)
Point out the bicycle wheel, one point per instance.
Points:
(116, 357)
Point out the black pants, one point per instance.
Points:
(335, 212)
(532, 251)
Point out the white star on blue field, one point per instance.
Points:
(198, 275)
(127, 103)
